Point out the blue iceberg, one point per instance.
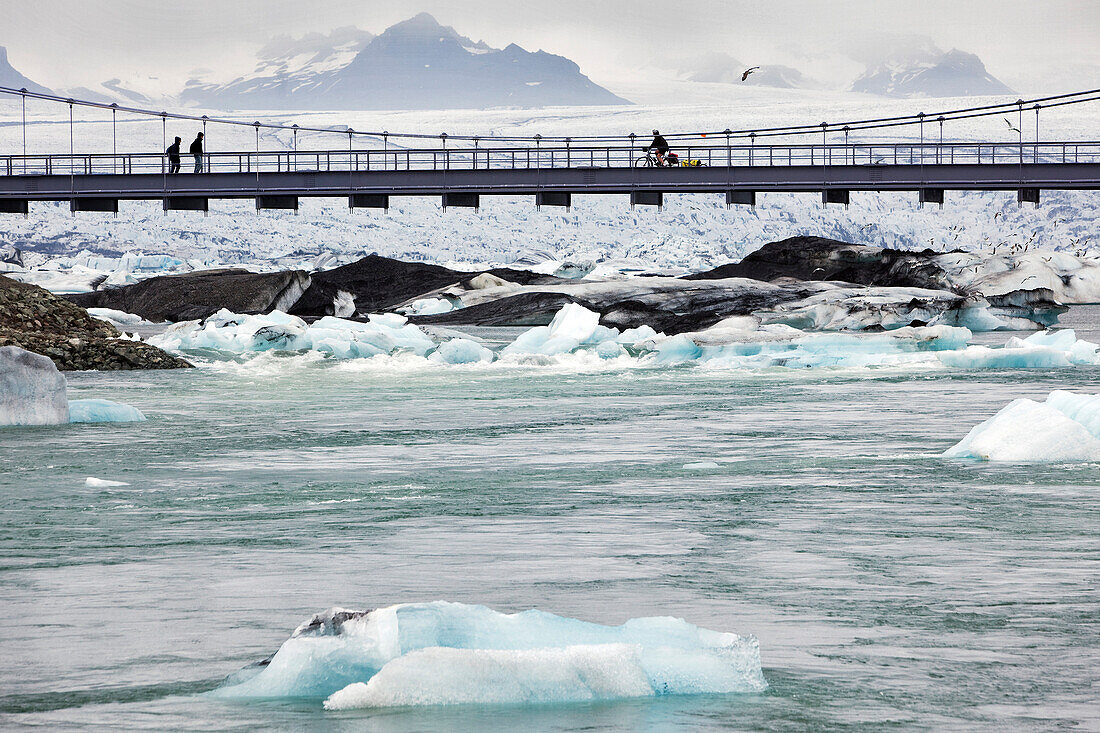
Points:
(450, 653)
(96, 410)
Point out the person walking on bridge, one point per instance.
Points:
(173, 152)
(196, 150)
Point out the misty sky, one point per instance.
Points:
(1032, 45)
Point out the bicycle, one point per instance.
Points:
(649, 160)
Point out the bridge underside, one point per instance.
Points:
(372, 188)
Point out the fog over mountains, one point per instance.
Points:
(926, 71)
(416, 64)
(420, 64)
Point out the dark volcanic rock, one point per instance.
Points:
(666, 304)
(201, 294)
(817, 258)
(378, 283)
(35, 319)
(525, 309)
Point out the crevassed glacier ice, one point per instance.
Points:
(451, 653)
(98, 410)
(1066, 427)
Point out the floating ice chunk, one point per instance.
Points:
(442, 676)
(461, 351)
(1040, 350)
(700, 466)
(572, 326)
(32, 390)
(448, 653)
(574, 322)
(96, 410)
(238, 334)
(102, 483)
(1064, 428)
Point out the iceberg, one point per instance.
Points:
(444, 653)
(32, 390)
(1064, 428)
(102, 483)
(97, 410)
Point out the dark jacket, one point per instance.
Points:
(196, 147)
(659, 144)
(173, 150)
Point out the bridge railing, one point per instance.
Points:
(556, 157)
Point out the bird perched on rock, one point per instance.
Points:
(747, 72)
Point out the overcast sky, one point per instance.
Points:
(1032, 45)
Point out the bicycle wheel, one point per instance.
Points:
(645, 161)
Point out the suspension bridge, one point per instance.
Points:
(370, 167)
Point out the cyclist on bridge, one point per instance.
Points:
(660, 146)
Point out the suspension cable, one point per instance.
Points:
(1059, 100)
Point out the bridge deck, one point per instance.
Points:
(531, 171)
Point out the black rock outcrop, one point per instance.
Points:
(200, 294)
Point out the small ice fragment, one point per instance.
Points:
(700, 466)
(101, 483)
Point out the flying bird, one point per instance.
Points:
(748, 71)
(1014, 129)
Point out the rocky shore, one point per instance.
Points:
(36, 320)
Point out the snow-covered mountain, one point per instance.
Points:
(928, 72)
(12, 79)
(722, 68)
(416, 64)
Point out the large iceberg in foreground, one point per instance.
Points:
(450, 653)
(32, 390)
(1066, 427)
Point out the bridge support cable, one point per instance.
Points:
(24, 96)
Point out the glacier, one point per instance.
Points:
(443, 653)
(1063, 428)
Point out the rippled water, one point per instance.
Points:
(888, 587)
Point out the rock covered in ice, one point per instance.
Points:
(1064, 428)
(118, 318)
(99, 410)
(200, 294)
(450, 653)
(32, 390)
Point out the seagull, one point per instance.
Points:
(1014, 129)
(748, 71)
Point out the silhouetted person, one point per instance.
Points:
(196, 150)
(660, 146)
(174, 156)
